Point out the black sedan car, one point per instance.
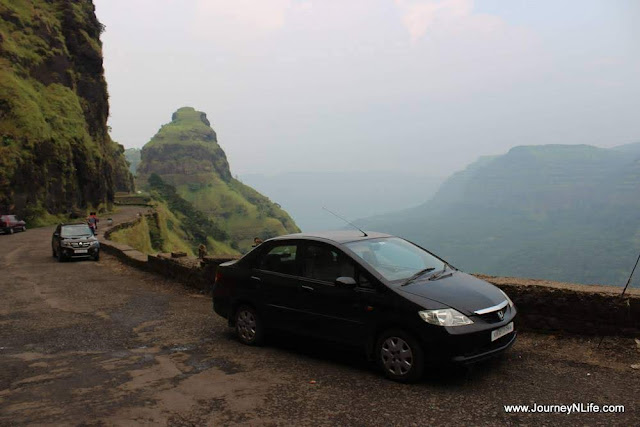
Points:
(74, 241)
(404, 306)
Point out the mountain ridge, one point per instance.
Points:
(536, 211)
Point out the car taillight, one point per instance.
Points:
(218, 277)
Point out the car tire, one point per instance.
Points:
(400, 356)
(24, 228)
(53, 252)
(61, 257)
(10, 230)
(249, 326)
(96, 257)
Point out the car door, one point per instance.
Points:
(331, 311)
(276, 275)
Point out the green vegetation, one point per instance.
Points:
(197, 225)
(53, 111)
(568, 213)
(175, 226)
(137, 237)
(187, 169)
(161, 231)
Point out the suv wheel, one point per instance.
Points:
(96, 257)
(61, 257)
(10, 230)
(249, 326)
(24, 228)
(400, 356)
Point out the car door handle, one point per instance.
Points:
(256, 278)
(307, 288)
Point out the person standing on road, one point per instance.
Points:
(93, 220)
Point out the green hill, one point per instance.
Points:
(53, 111)
(186, 156)
(569, 213)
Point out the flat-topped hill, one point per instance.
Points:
(185, 154)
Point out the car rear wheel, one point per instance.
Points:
(400, 356)
(249, 326)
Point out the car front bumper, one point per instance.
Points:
(493, 349)
(454, 345)
(76, 252)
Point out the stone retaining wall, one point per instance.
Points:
(195, 273)
(543, 306)
(580, 309)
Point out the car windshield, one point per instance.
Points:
(395, 258)
(75, 231)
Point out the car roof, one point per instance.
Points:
(74, 223)
(338, 236)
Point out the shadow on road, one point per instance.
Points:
(440, 374)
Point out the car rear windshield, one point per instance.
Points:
(395, 258)
(75, 231)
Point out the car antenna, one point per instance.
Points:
(630, 277)
(348, 222)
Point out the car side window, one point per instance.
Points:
(322, 262)
(364, 280)
(280, 259)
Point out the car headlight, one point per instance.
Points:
(65, 244)
(511, 304)
(95, 243)
(445, 317)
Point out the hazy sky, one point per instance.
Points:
(423, 85)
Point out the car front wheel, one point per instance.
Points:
(249, 326)
(61, 257)
(400, 356)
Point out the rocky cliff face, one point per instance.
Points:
(186, 155)
(185, 151)
(55, 152)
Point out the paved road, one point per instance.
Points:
(104, 344)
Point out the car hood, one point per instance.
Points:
(461, 291)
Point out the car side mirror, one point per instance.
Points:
(56, 234)
(346, 282)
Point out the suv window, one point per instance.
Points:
(325, 263)
(76, 230)
(280, 259)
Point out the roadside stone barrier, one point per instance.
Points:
(579, 309)
(190, 271)
(543, 306)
